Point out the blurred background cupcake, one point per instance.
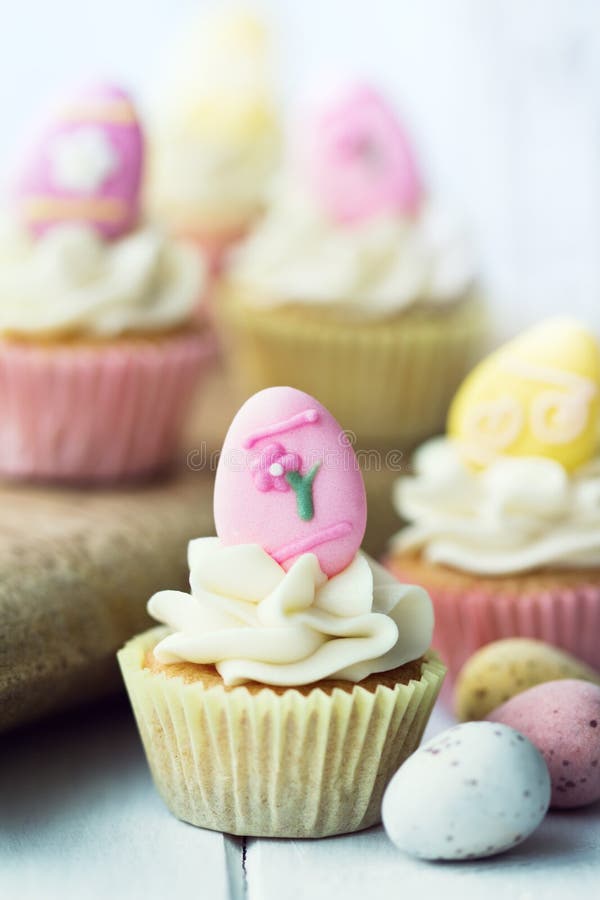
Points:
(503, 513)
(215, 131)
(354, 285)
(100, 346)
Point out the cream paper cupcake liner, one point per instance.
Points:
(269, 764)
(388, 381)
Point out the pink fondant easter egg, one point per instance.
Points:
(84, 165)
(356, 154)
(562, 719)
(289, 480)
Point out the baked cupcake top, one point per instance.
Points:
(75, 259)
(514, 486)
(215, 127)
(283, 595)
(349, 225)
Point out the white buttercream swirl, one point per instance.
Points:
(256, 622)
(200, 183)
(215, 133)
(70, 281)
(517, 515)
(296, 254)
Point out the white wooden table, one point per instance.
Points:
(80, 820)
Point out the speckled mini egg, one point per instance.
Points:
(502, 669)
(474, 790)
(562, 719)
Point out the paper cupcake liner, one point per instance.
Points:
(95, 412)
(561, 608)
(270, 764)
(388, 381)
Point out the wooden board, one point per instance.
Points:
(76, 570)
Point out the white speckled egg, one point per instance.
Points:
(474, 790)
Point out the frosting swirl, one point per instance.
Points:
(373, 267)
(70, 281)
(215, 137)
(201, 181)
(256, 622)
(517, 515)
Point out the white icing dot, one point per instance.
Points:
(82, 159)
(276, 469)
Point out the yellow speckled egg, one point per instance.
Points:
(539, 395)
(505, 668)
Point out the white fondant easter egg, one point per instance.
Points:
(289, 480)
(537, 396)
(84, 166)
(474, 790)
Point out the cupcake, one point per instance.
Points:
(504, 512)
(215, 135)
(281, 694)
(354, 286)
(99, 347)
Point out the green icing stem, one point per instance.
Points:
(302, 487)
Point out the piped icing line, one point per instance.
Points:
(505, 421)
(550, 374)
(305, 545)
(306, 417)
(556, 416)
(116, 112)
(302, 487)
(105, 209)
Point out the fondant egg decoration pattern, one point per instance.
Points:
(539, 395)
(289, 481)
(85, 166)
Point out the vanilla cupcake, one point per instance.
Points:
(354, 285)
(504, 512)
(99, 347)
(293, 680)
(215, 135)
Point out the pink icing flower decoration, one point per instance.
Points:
(359, 159)
(270, 467)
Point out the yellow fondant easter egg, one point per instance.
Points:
(503, 669)
(539, 395)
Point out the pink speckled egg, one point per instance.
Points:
(562, 718)
(289, 480)
(84, 165)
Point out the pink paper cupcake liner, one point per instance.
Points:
(93, 412)
(469, 616)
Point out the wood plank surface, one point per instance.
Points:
(80, 818)
(559, 861)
